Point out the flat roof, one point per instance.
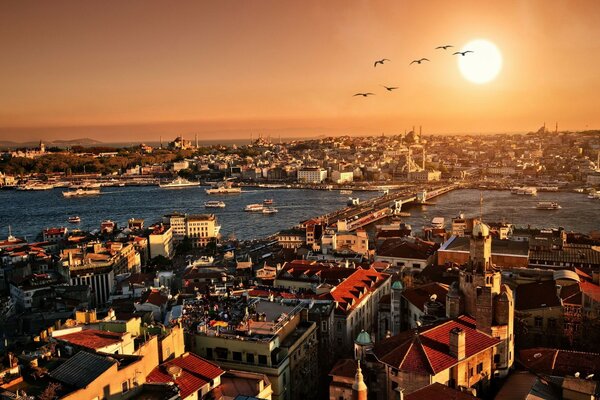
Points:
(511, 247)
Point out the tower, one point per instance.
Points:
(395, 306)
(359, 389)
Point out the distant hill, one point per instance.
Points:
(86, 142)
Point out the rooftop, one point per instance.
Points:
(92, 338)
(82, 369)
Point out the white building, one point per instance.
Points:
(311, 175)
(160, 242)
(342, 177)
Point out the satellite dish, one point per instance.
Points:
(174, 371)
(433, 297)
(577, 374)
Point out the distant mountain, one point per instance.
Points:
(86, 142)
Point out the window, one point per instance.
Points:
(125, 386)
(538, 322)
(479, 368)
(496, 358)
(250, 358)
(262, 359)
(324, 326)
(551, 322)
(237, 356)
(470, 372)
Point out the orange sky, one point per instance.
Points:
(134, 70)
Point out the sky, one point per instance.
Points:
(137, 70)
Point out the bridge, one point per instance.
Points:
(362, 214)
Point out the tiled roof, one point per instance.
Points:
(428, 352)
(350, 293)
(92, 338)
(82, 369)
(536, 295)
(306, 270)
(345, 368)
(195, 373)
(154, 296)
(437, 391)
(560, 362)
(421, 294)
(591, 290)
(401, 248)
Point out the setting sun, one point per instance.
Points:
(483, 64)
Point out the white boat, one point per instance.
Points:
(438, 222)
(35, 186)
(526, 191)
(594, 195)
(353, 201)
(254, 208)
(345, 191)
(268, 202)
(74, 219)
(81, 193)
(224, 187)
(547, 205)
(85, 185)
(270, 210)
(214, 204)
(178, 184)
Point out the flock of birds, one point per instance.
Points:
(417, 61)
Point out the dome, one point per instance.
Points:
(397, 285)
(363, 338)
(481, 229)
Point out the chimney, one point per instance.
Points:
(457, 343)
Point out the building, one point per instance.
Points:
(340, 177)
(424, 176)
(311, 175)
(201, 229)
(291, 238)
(177, 223)
(505, 253)
(160, 242)
(412, 253)
(273, 339)
(54, 235)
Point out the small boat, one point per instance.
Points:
(178, 183)
(74, 219)
(345, 191)
(268, 202)
(270, 210)
(254, 208)
(214, 204)
(81, 193)
(353, 201)
(524, 191)
(438, 222)
(547, 205)
(224, 187)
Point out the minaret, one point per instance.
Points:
(196, 141)
(359, 389)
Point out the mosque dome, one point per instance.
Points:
(363, 338)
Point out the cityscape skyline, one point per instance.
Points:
(136, 72)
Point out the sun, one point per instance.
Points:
(482, 65)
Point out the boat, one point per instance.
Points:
(178, 183)
(35, 186)
(81, 193)
(345, 191)
(353, 201)
(547, 205)
(214, 204)
(594, 195)
(270, 210)
(526, 191)
(399, 215)
(267, 202)
(224, 187)
(254, 208)
(85, 185)
(74, 219)
(438, 222)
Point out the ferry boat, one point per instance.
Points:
(270, 210)
(267, 202)
(178, 184)
(81, 193)
(224, 187)
(214, 204)
(74, 219)
(438, 222)
(547, 205)
(345, 191)
(35, 186)
(254, 208)
(526, 191)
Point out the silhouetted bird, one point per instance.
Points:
(364, 94)
(389, 88)
(462, 53)
(380, 62)
(419, 61)
(444, 47)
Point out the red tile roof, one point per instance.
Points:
(437, 391)
(419, 295)
(355, 288)
(154, 296)
(559, 362)
(92, 338)
(428, 352)
(536, 295)
(195, 373)
(345, 368)
(591, 290)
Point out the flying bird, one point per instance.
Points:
(389, 88)
(380, 62)
(419, 61)
(364, 94)
(462, 53)
(444, 47)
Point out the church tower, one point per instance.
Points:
(359, 389)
